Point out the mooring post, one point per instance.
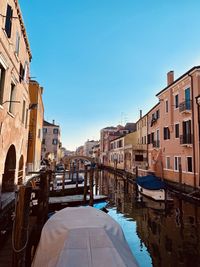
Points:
(180, 176)
(63, 181)
(77, 174)
(91, 186)
(136, 171)
(85, 186)
(20, 226)
(96, 181)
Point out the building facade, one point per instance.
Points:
(177, 157)
(35, 126)
(51, 143)
(88, 146)
(15, 57)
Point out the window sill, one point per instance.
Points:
(10, 114)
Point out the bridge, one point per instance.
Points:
(77, 157)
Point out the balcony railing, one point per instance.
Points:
(186, 139)
(185, 106)
(156, 143)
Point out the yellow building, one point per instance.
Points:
(15, 57)
(35, 126)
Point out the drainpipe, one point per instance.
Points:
(193, 142)
(198, 111)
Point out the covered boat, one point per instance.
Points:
(84, 237)
(151, 186)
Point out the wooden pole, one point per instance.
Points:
(77, 174)
(63, 181)
(180, 176)
(20, 226)
(85, 186)
(136, 171)
(96, 181)
(91, 187)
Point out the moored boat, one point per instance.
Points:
(151, 186)
(83, 236)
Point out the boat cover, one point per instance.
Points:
(82, 237)
(150, 182)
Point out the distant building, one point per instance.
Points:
(110, 133)
(80, 151)
(51, 144)
(35, 126)
(15, 57)
(87, 149)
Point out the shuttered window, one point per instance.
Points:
(166, 133)
(8, 23)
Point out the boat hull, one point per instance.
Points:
(158, 195)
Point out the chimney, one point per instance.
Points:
(170, 77)
(53, 121)
(140, 113)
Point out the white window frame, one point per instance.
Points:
(166, 163)
(176, 170)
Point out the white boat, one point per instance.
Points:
(151, 186)
(82, 237)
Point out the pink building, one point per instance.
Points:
(173, 130)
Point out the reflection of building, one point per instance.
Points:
(171, 234)
(51, 145)
(15, 57)
(35, 126)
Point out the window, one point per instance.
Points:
(166, 106)
(145, 139)
(54, 141)
(120, 143)
(43, 141)
(2, 79)
(55, 131)
(157, 114)
(8, 24)
(189, 164)
(44, 130)
(23, 111)
(148, 139)
(167, 163)
(166, 133)
(11, 104)
(177, 130)
(176, 101)
(25, 74)
(17, 43)
(177, 163)
(21, 73)
(138, 157)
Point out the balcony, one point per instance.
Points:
(185, 107)
(156, 143)
(186, 139)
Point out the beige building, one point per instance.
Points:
(51, 143)
(35, 126)
(15, 57)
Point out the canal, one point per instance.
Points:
(158, 234)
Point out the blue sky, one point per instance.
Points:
(101, 61)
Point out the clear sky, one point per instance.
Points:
(101, 61)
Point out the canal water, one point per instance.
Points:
(159, 235)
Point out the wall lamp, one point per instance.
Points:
(33, 106)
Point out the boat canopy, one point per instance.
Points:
(150, 182)
(83, 236)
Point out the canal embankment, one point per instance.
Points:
(183, 191)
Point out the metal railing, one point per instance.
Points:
(186, 139)
(185, 106)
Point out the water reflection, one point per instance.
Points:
(159, 234)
